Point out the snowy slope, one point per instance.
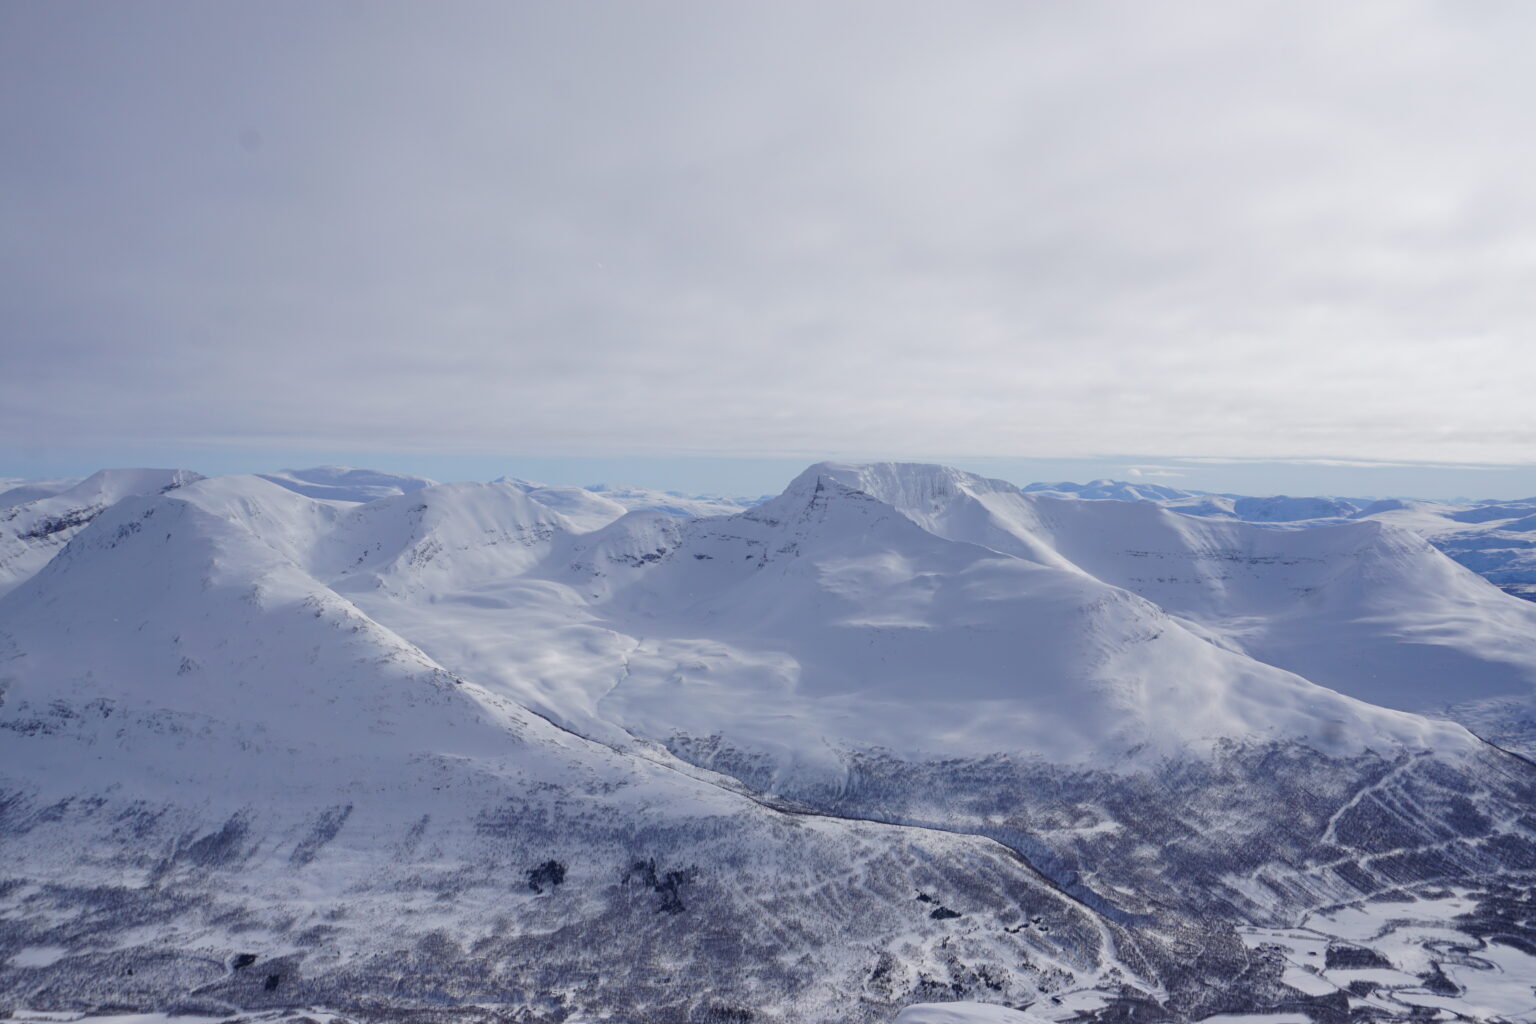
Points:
(439, 538)
(1496, 540)
(33, 531)
(859, 595)
(19, 490)
(1359, 607)
(1492, 538)
(836, 622)
(912, 608)
(820, 621)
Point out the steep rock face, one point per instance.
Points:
(898, 734)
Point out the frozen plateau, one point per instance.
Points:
(900, 743)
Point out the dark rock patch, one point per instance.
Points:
(326, 826)
(217, 849)
(1436, 981)
(550, 873)
(668, 884)
(1354, 958)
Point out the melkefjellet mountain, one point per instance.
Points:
(900, 734)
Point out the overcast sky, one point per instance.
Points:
(930, 230)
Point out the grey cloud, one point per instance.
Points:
(1246, 229)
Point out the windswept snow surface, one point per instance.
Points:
(900, 733)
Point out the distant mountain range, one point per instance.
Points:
(1494, 538)
(898, 735)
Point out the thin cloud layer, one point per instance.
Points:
(1245, 230)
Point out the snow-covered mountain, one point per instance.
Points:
(672, 502)
(34, 529)
(588, 508)
(343, 483)
(204, 740)
(899, 734)
(1113, 490)
(835, 615)
(1278, 508)
(1358, 606)
(15, 490)
(1496, 540)
(1492, 538)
